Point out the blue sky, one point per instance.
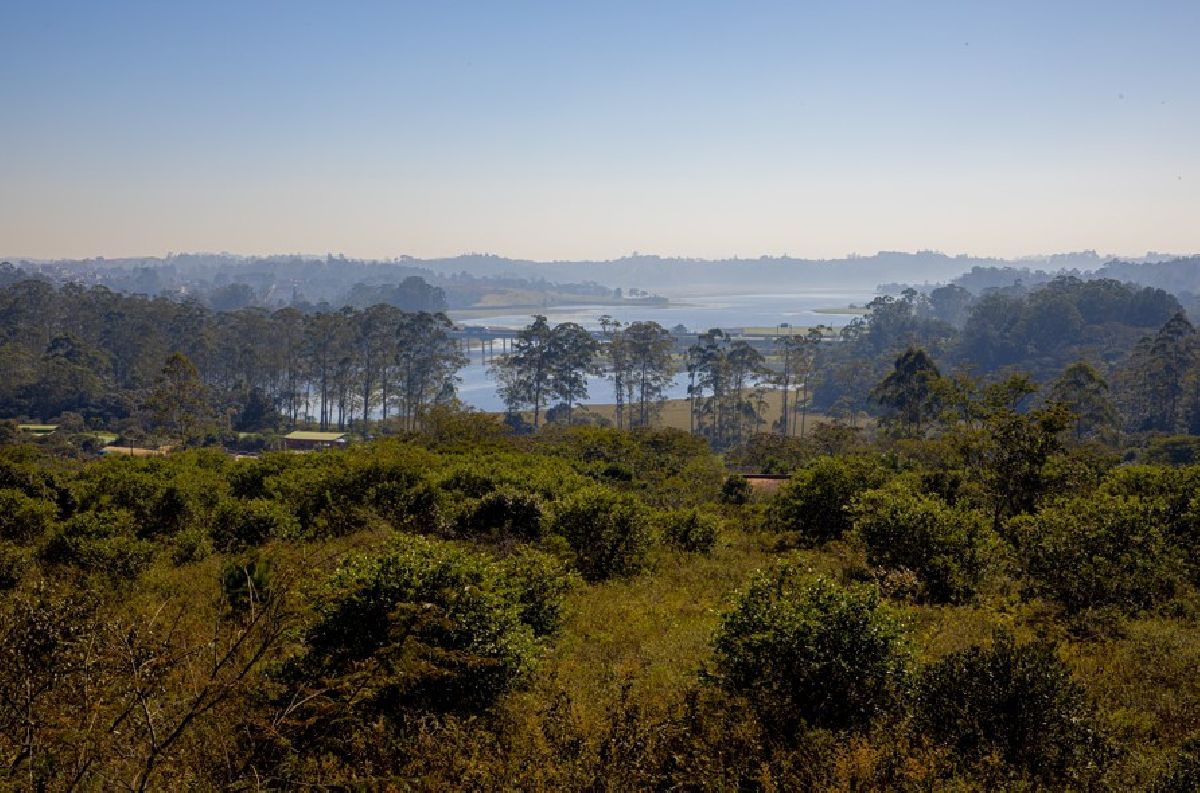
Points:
(572, 129)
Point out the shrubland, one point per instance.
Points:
(996, 604)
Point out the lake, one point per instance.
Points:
(695, 312)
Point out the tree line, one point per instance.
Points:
(101, 358)
(95, 358)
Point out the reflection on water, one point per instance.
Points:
(696, 313)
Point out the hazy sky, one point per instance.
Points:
(570, 129)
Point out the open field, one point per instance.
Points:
(675, 413)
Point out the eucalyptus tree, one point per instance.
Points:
(178, 406)
(618, 367)
(651, 366)
(346, 371)
(546, 363)
(69, 377)
(910, 392)
(797, 354)
(525, 373)
(427, 360)
(725, 385)
(807, 370)
(787, 349)
(324, 339)
(1084, 391)
(1153, 378)
(288, 332)
(375, 332)
(572, 358)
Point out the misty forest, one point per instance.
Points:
(949, 543)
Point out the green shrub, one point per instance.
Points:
(337, 493)
(244, 524)
(470, 481)
(735, 491)
(816, 501)
(248, 478)
(1175, 492)
(24, 519)
(100, 543)
(812, 654)
(1100, 551)
(425, 626)
(1183, 774)
(660, 464)
(1016, 702)
(164, 495)
(13, 563)
(690, 530)
(193, 544)
(25, 469)
(608, 531)
(541, 583)
(548, 478)
(945, 547)
(407, 507)
(1174, 450)
(504, 513)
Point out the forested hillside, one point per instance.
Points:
(1138, 342)
(227, 282)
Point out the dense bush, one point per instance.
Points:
(812, 654)
(736, 491)
(24, 519)
(1015, 702)
(338, 493)
(425, 625)
(292, 649)
(815, 502)
(1100, 551)
(946, 547)
(239, 524)
(1175, 492)
(542, 583)
(503, 514)
(13, 563)
(163, 495)
(1174, 450)
(477, 475)
(99, 542)
(608, 531)
(30, 472)
(1183, 774)
(690, 529)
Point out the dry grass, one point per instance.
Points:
(652, 634)
(676, 413)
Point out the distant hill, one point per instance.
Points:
(1178, 275)
(282, 278)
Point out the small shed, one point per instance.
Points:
(38, 430)
(306, 440)
(134, 451)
